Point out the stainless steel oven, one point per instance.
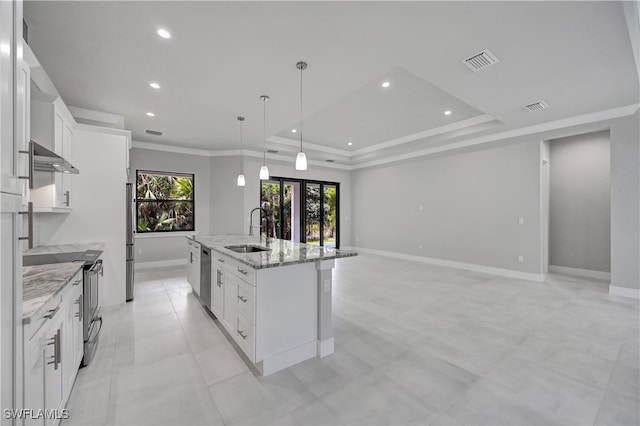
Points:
(92, 321)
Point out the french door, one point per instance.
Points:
(301, 210)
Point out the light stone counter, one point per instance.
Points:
(42, 282)
(65, 248)
(281, 252)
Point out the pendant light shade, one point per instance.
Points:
(264, 170)
(240, 181)
(301, 159)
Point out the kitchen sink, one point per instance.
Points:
(246, 248)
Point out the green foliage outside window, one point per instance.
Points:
(164, 201)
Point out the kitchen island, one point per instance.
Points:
(272, 296)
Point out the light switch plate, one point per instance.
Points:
(327, 286)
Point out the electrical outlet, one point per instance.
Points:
(521, 220)
(357, 239)
(420, 246)
(420, 207)
(139, 251)
(327, 286)
(520, 259)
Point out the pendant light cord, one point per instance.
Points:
(264, 132)
(241, 156)
(301, 69)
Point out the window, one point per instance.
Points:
(164, 201)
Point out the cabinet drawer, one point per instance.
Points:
(245, 300)
(44, 314)
(242, 271)
(245, 335)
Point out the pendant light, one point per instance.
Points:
(241, 181)
(264, 170)
(301, 159)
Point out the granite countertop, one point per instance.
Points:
(282, 252)
(65, 248)
(42, 282)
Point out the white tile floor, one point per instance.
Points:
(416, 344)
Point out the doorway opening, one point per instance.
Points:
(302, 211)
(576, 203)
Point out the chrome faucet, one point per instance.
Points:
(251, 219)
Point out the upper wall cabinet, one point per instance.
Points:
(52, 126)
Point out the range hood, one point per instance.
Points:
(43, 160)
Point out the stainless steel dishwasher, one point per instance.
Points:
(205, 276)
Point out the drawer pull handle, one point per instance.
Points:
(80, 308)
(76, 282)
(242, 271)
(52, 312)
(55, 359)
(220, 260)
(244, 336)
(242, 299)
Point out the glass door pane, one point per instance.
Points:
(330, 216)
(270, 202)
(312, 213)
(291, 211)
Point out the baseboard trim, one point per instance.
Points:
(631, 293)
(589, 273)
(458, 265)
(160, 264)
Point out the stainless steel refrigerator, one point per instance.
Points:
(130, 204)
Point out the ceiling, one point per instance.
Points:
(575, 56)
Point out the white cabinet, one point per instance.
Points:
(218, 283)
(53, 350)
(72, 345)
(193, 266)
(52, 126)
(53, 366)
(233, 301)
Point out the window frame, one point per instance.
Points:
(145, 200)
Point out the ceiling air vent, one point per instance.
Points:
(480, 60)
(153, 132)
(536, 106)
(272, 151)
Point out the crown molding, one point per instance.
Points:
(170, 148)
(227, 153)
(523, 131)
(458, 125)
(312, 146)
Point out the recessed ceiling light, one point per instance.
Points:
(164, 33)
(349, 143)
(293, 130)
(386, 84)
(447, 112)
(154, 85)
(150, 114)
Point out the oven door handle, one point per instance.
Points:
(97, 268)
(91, 340)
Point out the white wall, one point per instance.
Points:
(625, 205)
(460, 206)
(98, 213)
(168, 246)
(579, 215)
